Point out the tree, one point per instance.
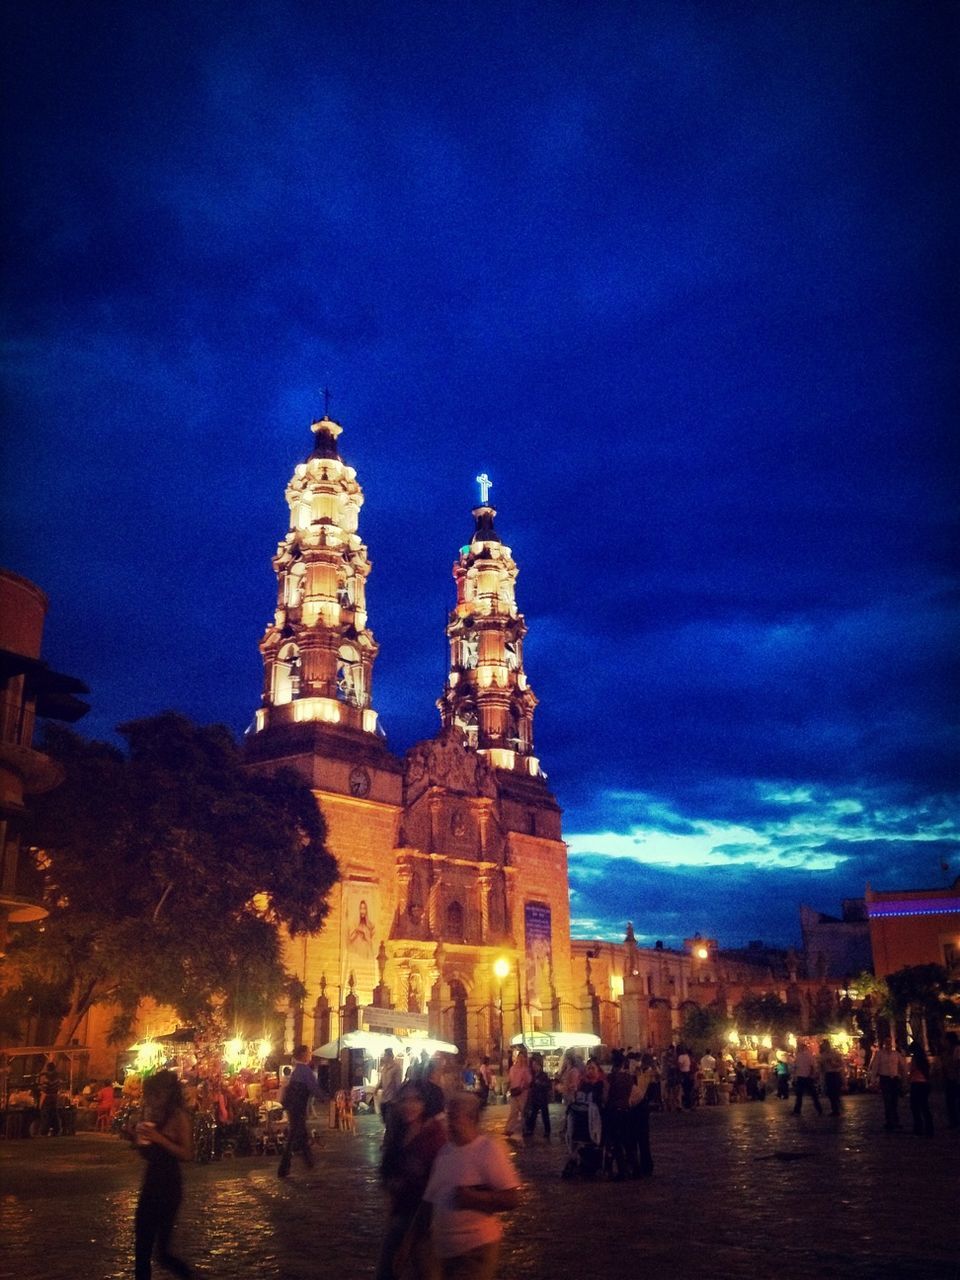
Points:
(171, 871)
(766, 1014)
(875, 1007)
(919, 995)
(704, 1029)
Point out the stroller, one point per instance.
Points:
(583, 1129)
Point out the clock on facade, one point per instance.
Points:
(359, 781)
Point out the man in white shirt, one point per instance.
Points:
(804, 1079)
(391, 1078)
(888, 1069)
(472, 1180)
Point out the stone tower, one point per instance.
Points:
(487, 699)
(318, 652)
(316, 716)
(481, 865)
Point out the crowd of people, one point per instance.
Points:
(445, 1180)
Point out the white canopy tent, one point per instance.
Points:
(557, 1040)
(420, 1043)
(372, 1043)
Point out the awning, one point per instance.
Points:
(372, 1043)
(420, 1043)
(548, 1040)
(394, 1020)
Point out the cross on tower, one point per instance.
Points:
(485, 483)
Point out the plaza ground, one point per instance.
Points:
(742, 1191)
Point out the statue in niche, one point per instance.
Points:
(414, 992)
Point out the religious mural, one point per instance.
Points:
(361, 931)
(539, 959)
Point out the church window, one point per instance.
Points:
(469, 652)
(512, 654)
(349, 676)
(286, 675)
(466, 721)
(453, 931)
(294, 586)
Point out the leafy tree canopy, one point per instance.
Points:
(766, 1014)
(171, 871)
(705, 1029)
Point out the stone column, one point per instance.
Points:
(484, 885)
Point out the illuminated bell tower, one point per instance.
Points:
(318, 651)
(487, 698)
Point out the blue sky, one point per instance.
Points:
(681, 277)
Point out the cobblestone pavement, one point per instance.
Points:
(743, 1191)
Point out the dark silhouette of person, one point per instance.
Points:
(163, 1138)
(50, 1101)
(301, 1087)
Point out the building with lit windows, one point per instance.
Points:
(28, 689)
(914, 927)
(450, 858)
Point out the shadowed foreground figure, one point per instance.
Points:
(472, 1180)
(163, 1137)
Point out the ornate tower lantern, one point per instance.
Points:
(318, 652)
(487, 699)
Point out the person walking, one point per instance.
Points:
(830, 1062)
(50, 1102)
(391, 1080)
(640, 1160)
(472, 1180)
(685, 1068)
(300, 1088)
(918, 1075)
(781, 1069)
(164, 1139)
(518, 1088)
(486, 1078)
(538, 1100)
(616, 1135)
(411, 1145)
(804, 1079)
(887, 1070)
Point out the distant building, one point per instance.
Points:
(28, 689)
(914, 926)
(638, 996)
(836, 947)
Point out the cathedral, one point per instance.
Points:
(452, 911)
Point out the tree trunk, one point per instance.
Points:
(81, 1002)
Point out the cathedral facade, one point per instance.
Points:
(452, 910)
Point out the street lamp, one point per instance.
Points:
(501, 967)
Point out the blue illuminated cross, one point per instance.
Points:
(485, 483)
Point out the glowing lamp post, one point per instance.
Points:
(501, 967)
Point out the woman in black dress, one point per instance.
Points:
(164, 1138)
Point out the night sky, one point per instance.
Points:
(682, 277)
